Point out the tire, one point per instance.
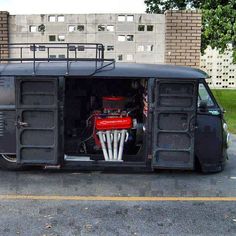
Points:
(213, 169)
(8, 162)
(198, 166)
(208, 169)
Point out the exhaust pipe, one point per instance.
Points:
(113, 144)
(109, 145)
(104, 149)
(122, 142)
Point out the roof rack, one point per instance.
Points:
(45, 52)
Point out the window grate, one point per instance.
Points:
(1, 124)
(2, 82)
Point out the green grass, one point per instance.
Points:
(227, 99)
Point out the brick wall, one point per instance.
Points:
(183, 38)
(4, 38)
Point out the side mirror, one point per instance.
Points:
(203, 106)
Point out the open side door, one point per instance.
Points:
(37, 120)
(174, 123)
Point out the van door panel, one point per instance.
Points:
(174, 124)
(210, 143)
(209, 139)
(37, 120)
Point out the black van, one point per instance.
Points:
(92, 112)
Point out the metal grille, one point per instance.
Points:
(1, 124)
(2, 82)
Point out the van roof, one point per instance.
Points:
(100, 69)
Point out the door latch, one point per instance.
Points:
(23, 124)
(20, 124)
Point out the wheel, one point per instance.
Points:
(208, 169)
(8, 162)
(213, 169)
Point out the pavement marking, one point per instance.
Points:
(116, 198)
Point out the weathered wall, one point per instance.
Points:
(4, 33)
(147, 46)
(183, 38)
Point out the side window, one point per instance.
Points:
(203, 95)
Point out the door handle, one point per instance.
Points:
(20, 123)
(23, 124)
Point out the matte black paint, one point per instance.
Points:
(86, 69)
(209, 141)
(209, 138)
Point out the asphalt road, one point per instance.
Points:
(56, 215)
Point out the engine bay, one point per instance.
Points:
(105, 119)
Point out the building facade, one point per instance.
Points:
(127, 38)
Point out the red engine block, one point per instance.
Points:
(114, 123)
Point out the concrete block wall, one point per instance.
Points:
(129, 51)
(220, 68)
(4, 35)
(183, 38)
